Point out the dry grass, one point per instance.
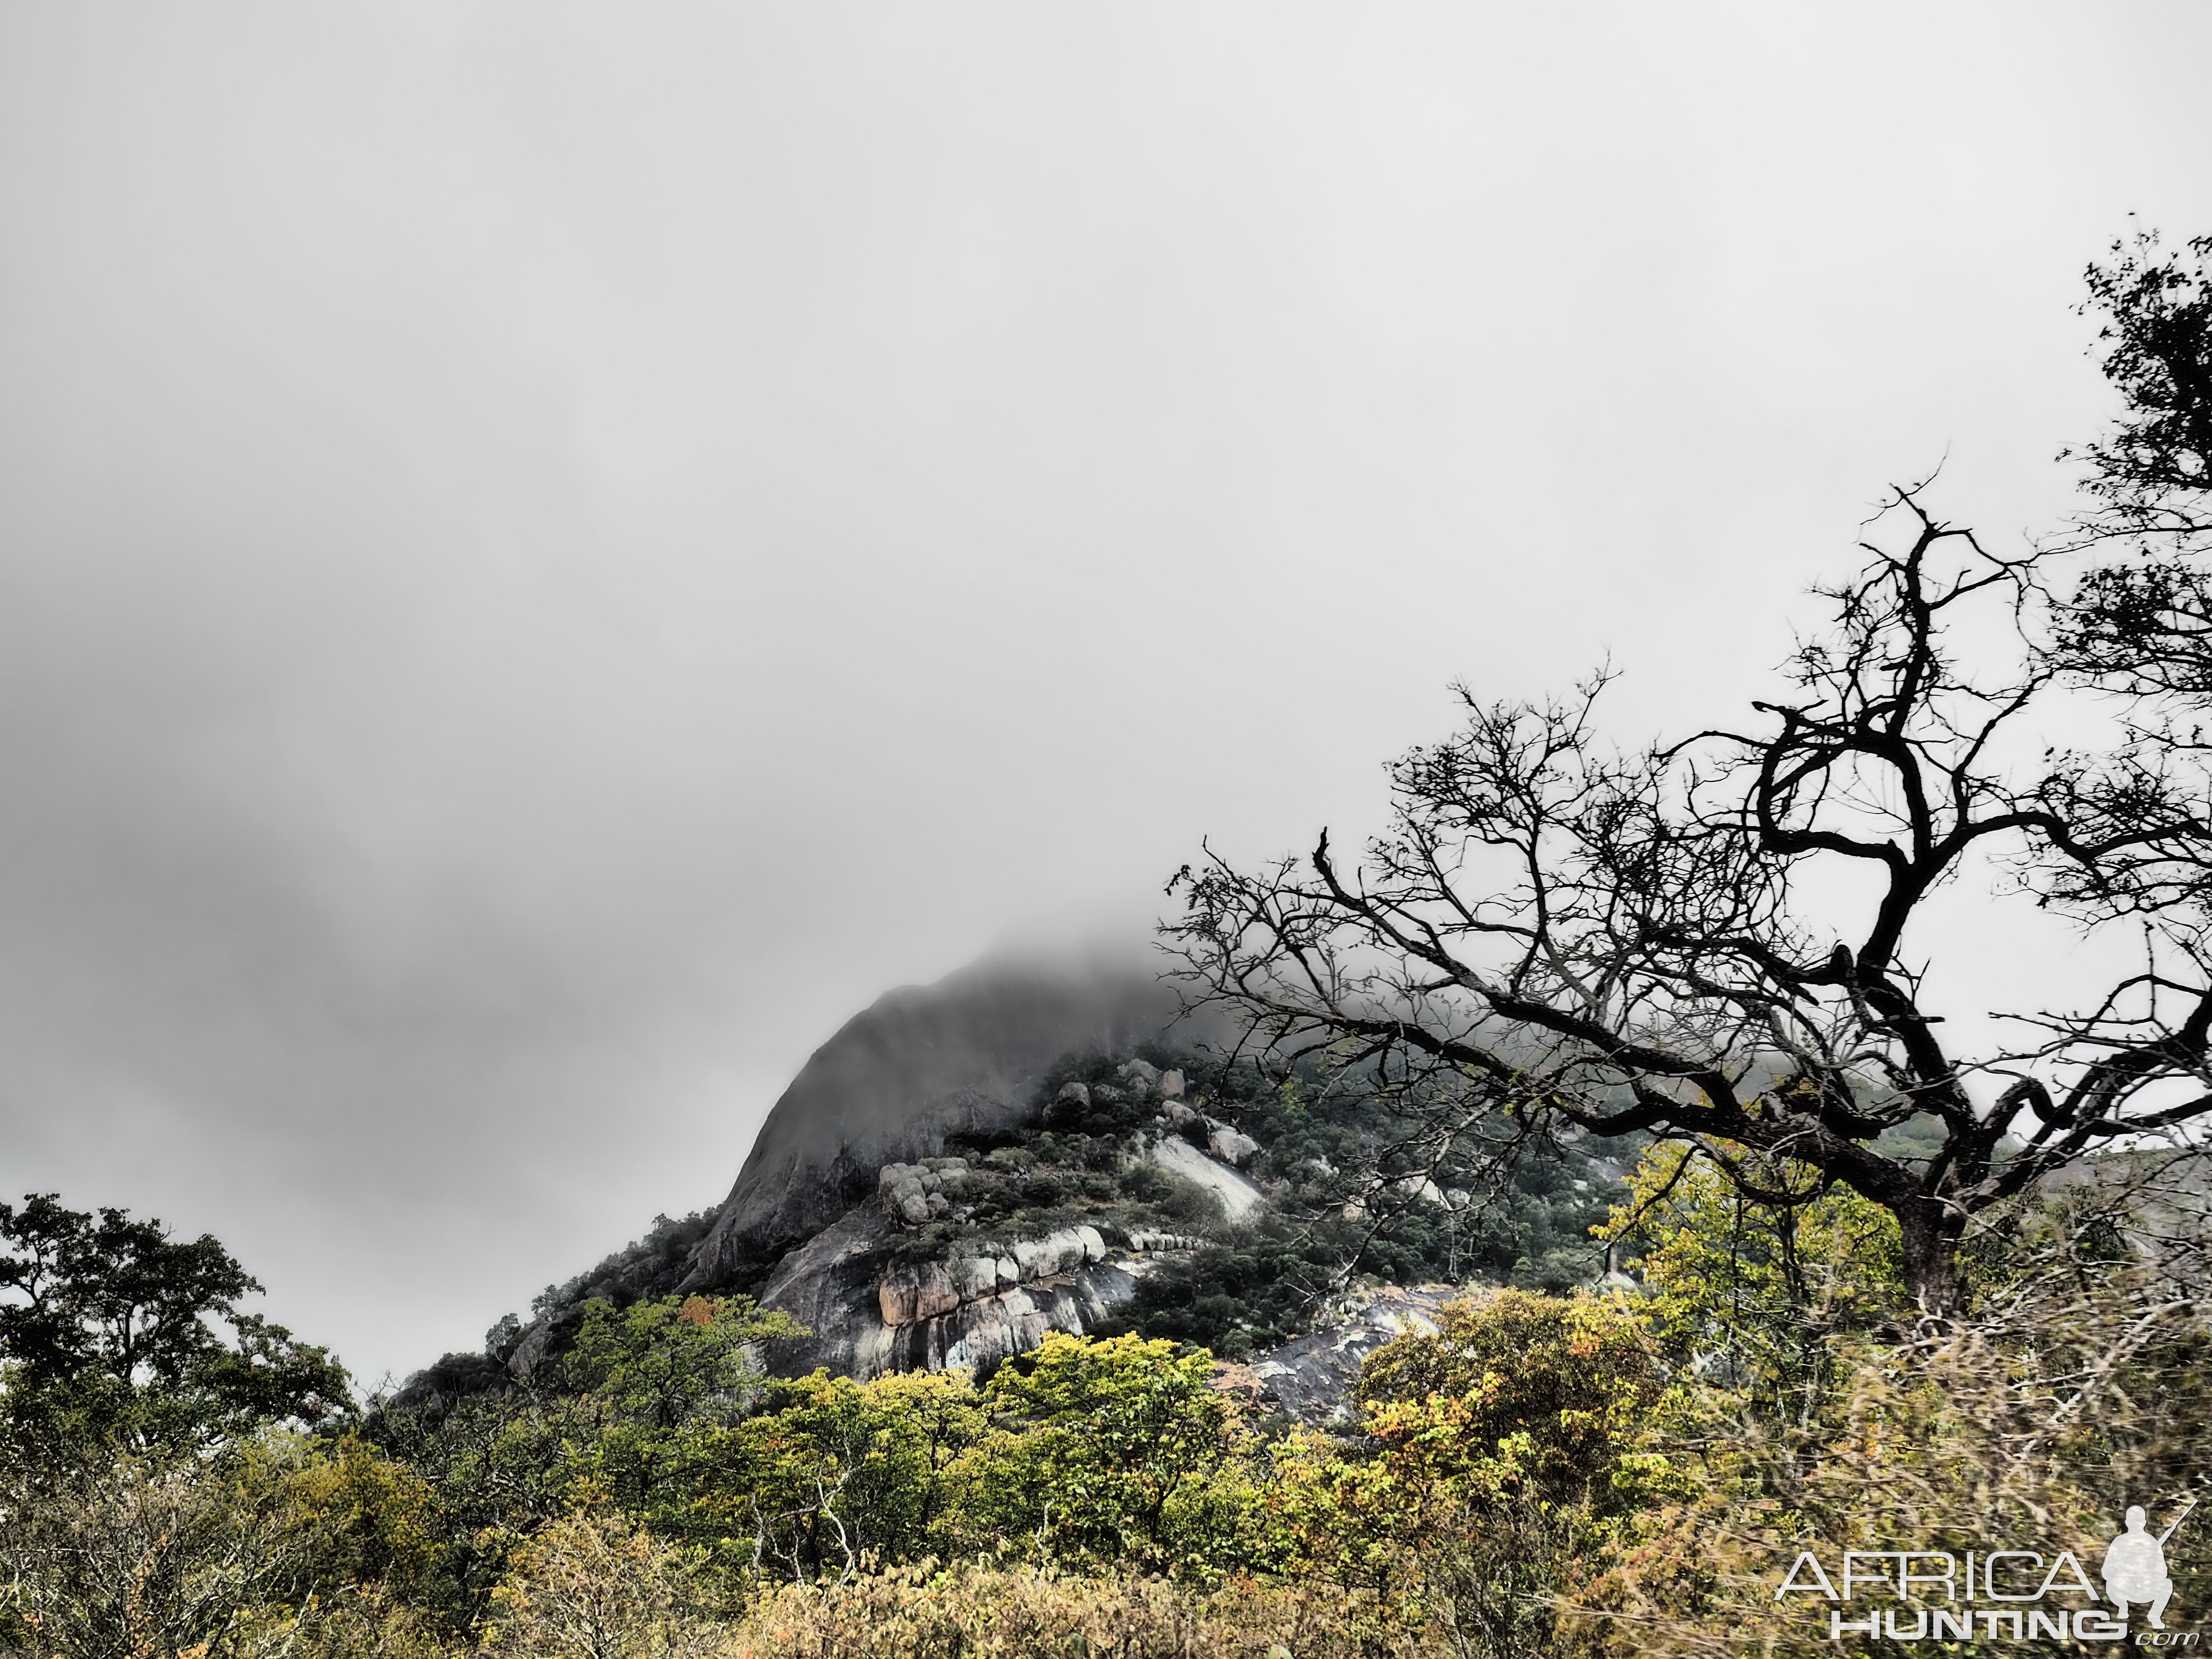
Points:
(985, 1613)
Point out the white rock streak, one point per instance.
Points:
(1238, 1196)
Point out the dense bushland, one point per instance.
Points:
(1587, 1474)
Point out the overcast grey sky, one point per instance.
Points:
(548, 553)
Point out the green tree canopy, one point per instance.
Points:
(112, 1329)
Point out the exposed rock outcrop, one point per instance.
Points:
(871, 1311)
(921, 1198)
(828, 1285)
(1239, 1197)
(964, 1054)
(1311, 1377)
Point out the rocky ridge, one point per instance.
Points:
(968, 1167)
(963, 1056)
(984, 1299)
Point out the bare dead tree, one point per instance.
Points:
(1713, 941)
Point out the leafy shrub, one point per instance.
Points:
(591, 1585)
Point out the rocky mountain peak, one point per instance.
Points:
(1015, 1150)
(964, 1054)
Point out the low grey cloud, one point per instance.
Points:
(548, 553)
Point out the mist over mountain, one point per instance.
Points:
(919, 1063)
(546, 557)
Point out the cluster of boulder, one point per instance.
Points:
(873, 1307)
(1144, 1240)
(909, 1293)
(1140, 1079)
(1134, 1079)
(972, 1309)
(914, 1193)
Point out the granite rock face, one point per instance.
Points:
(1311, 1377)
(966, 1053)
(872, 1311)
(850, 1168)
(1239, 1198)
(829, 1286)
(896, 1255)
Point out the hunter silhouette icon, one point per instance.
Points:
(2134, 1566)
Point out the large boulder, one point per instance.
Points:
(965, 1053)
(1239, 1198)
(908, 1293)
(1231, 1145)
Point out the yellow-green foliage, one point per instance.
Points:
(1547, 1394)
(833, 1473)
(1541, 1478)
(1754, 1292)
(2074, 1394)
(2083, 1381)
(1116, 1450)
(662, 1364)
(593, 1585)
(1107, 1451)
(1113, 1451)
(1499, 1455)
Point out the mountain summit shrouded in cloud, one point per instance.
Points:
(961, 1055)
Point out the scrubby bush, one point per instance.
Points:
(593, 1585)
(981, 1612)
(1540, 1477)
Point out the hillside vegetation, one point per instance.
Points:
(1354, 1195)
(1587, 1474)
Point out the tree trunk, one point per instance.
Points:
(1931, 1233)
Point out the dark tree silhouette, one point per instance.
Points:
(1717, 941)
(2150, 473)
(2141, 623)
